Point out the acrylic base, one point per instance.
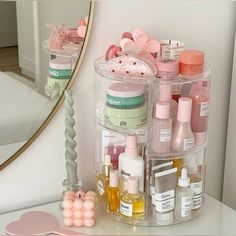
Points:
(151, 219)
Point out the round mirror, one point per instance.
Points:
(41, 47)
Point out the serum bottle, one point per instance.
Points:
(182, 135)
(130, 164)
(102, 180)
(113, 193)
(132, 201)
(165, 95)
(161, 128)
(183, 206)
(199, 118)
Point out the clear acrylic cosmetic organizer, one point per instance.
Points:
(111, 139)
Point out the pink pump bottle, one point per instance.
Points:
(199, 117)
(182, 135)
(161, 128)
(165, 95)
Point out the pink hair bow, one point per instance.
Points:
(82, 27)
(139, 43)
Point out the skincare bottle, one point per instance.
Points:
(165, 95)
(102, 180)
(113, 193)
(182, 135)
(132, 201)
(183, 206)
(199, 117)
(161, 128)
(195, 179)
(130, 164)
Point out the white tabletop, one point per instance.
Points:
(216, 219)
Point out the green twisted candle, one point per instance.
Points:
(70, 143)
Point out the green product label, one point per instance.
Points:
(60, 74)
(125, 103)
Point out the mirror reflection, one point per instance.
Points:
(40, 43)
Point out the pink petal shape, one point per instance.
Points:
(141, 40)
(138, 32)
(108, 52)
(125, 41)
(151, 47)
(127, 35)
(82, 31)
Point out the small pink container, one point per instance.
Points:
(168, 68)
(191, 62)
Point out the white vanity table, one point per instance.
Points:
(216, 219)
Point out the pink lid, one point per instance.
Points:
(131, 149)
(168, 65)
(191, 57)
(114, 178)
(162, 110)
(125, 90)
(107, 159)
(165, 92)
(184, 109)
(133, 185)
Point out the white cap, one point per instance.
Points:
(184, 180)
(107, 159)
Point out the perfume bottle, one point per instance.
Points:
(113, 193)
(199, 117)
(183, 206)
(182, 135)
(165, 95)
(132, 201)
(102, 180)
(130, 164)
(161, 128)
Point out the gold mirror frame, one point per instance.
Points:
(61, 99)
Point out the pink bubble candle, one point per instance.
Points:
(79, 209)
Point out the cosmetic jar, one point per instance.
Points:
(126, 118)
(191, 62)
(60, 68)
(167, 68)
(125, 96)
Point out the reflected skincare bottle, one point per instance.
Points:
(199, 117)
(161, 128)
(182, 135)
(102, 180)
(165, 95)
(183, 206)
(113, 192)
(132, 201)
(130, 164)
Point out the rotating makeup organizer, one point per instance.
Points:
(151, 136)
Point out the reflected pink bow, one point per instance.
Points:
(82, 27)
(139, 43)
